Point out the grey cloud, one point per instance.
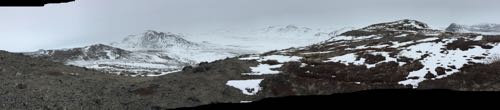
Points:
(90, 21)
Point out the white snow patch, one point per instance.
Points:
(163, 73)
(375, 46)
(279, 58)
(402, 35)
(250, 58)
(248, 87)
(397, 44)
(245, 101)
(111, 55)
(478, 38)
(263, 69)
(428, 39)
(347, 58)
(302, 65)
(432, 34)
(309, 53)
(355, 38)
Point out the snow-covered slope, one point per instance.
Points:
(394, 54)
(487, 29)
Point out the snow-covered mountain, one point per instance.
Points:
(152, 40)
(489, 29)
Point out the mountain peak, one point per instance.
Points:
(155, 40)
(405, 25)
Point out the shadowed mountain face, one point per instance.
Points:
(407, 57)
(155, 40)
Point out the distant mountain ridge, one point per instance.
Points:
(92, 52)
(485, 28)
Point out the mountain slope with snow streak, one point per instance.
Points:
(113, 60)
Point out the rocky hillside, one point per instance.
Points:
(392, 55)
(113, 60)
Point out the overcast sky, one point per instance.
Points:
(92, 21)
